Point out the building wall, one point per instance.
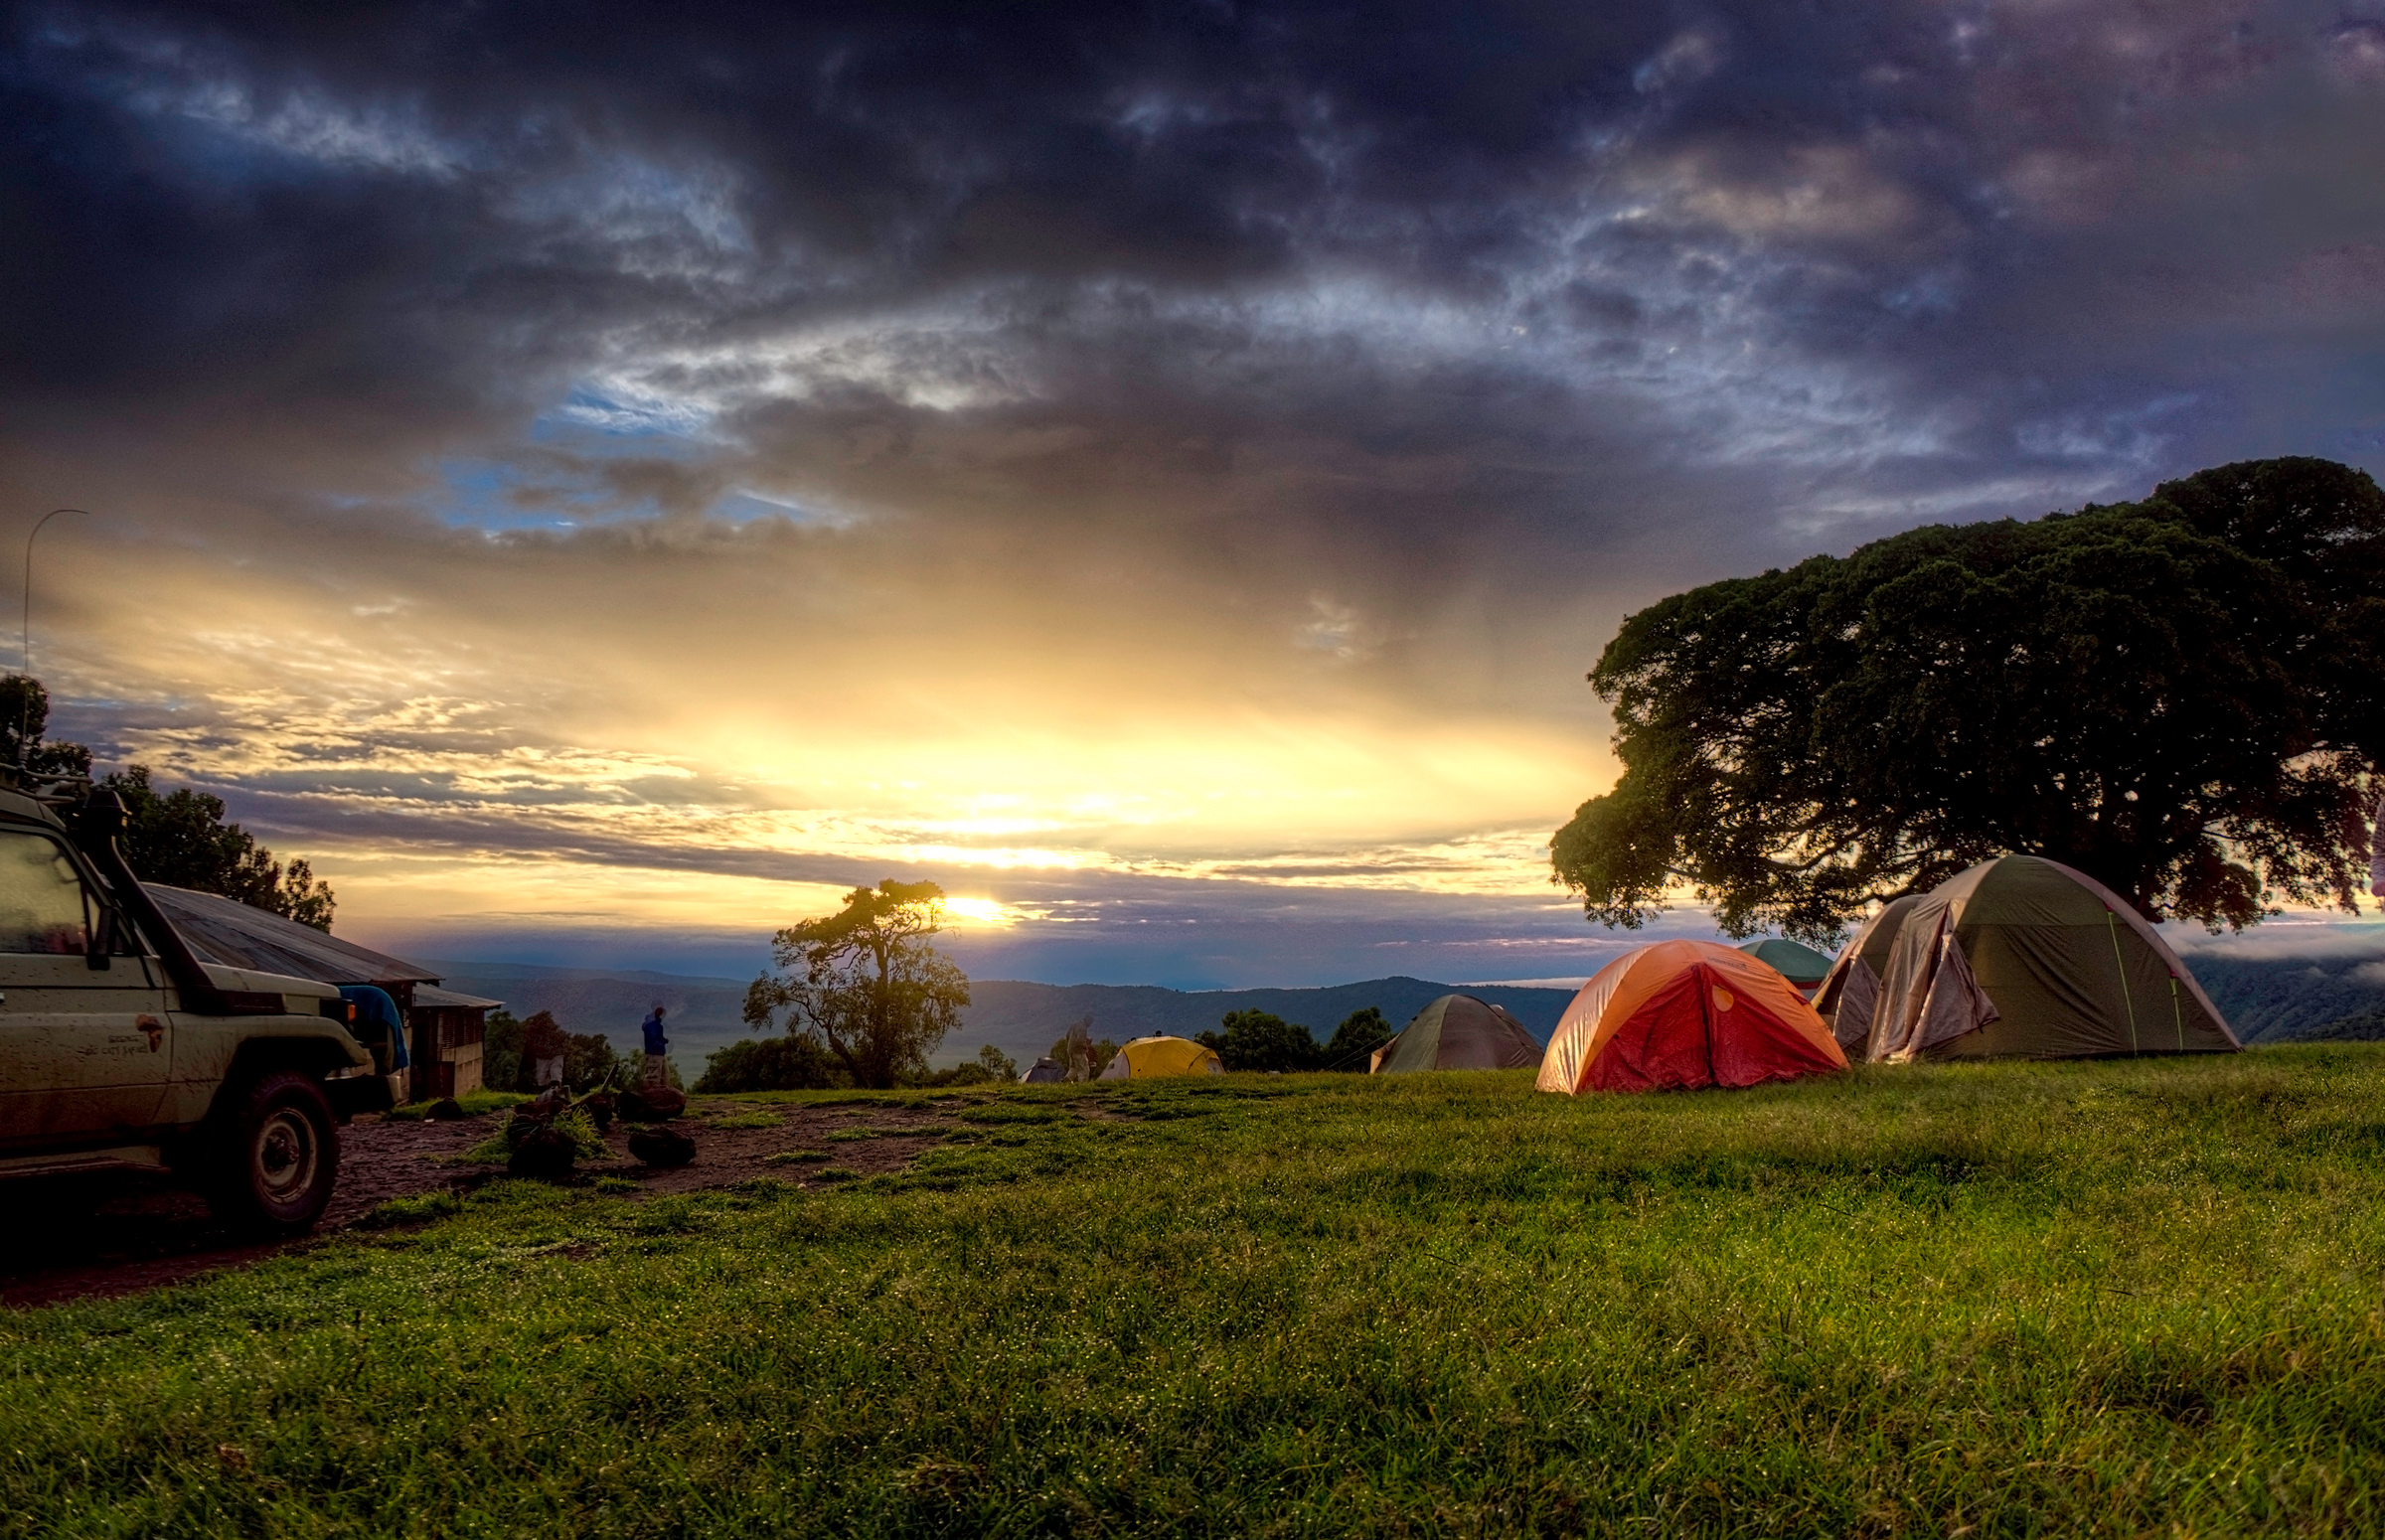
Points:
(464, 1063)
(423, 1050)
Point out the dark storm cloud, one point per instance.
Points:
(418, 226)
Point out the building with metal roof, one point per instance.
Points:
(446, 1031)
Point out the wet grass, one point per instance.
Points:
(2011, 1300)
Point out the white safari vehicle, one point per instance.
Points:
(120, 1050)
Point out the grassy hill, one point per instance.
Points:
(2115, 1298)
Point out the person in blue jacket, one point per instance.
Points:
(375, 1020)
(655, 1046)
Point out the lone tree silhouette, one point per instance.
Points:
(2183, 697)
(867, 981)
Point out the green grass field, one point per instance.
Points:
(2097, 1297)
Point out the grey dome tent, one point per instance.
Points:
(1851, 988)
(1457, 1031)
(2021, 957)
(1043, 1072)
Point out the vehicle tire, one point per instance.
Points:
(276, 1155)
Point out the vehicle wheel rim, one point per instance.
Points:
(288, 1156)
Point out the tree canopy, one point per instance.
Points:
(1358, 1035)
(867, 981)
(1262, 1041)
(2184, 697)
(24, 717)
(180, 839)
(177, 837)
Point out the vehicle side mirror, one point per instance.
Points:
(99, 953)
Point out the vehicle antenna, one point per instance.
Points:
(25, 648)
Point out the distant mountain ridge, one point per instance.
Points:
(1020, 1017)
(2264, 1000)
(2292, 999)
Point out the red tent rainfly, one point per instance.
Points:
(1685, 1014)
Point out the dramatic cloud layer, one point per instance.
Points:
(595, 476)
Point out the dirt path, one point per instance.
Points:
(147, 1234)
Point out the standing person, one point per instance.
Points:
(657, 1074)
(542, 1046)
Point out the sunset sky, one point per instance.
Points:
(600, 482)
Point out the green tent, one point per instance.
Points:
(2023, 958)
(1794, 961)
(1458, 1031)
(1851, 988)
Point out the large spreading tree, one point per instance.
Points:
(2184, 697)
(178, 838)
(868, 981)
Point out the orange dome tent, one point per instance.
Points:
(1680, 1014)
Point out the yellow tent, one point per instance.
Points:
(1148, 1057)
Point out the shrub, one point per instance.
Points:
(510, 1050)
(1262, 1041)
(1358, 1035)
(793, 1062)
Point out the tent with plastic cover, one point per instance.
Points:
(1851, 988)
(1794, 961)
(1457, 1031)
(1148, 1057)
(1680, 1014)
(2021, 957)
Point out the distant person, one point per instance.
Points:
(657, 1045)
(544, 1045)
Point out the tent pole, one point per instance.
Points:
(2112, 924)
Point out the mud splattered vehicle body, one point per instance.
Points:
(120, 1050)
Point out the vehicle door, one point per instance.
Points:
(85, 1050)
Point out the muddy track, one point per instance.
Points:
(146, 1234)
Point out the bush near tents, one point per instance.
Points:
(791, 1061)
(1261, 1040)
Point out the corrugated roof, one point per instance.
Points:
(230, 933)
(448, 999)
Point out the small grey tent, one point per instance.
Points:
(1457, 1031)
(1851, 988)
(2021, 957)
(1045, 1071)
